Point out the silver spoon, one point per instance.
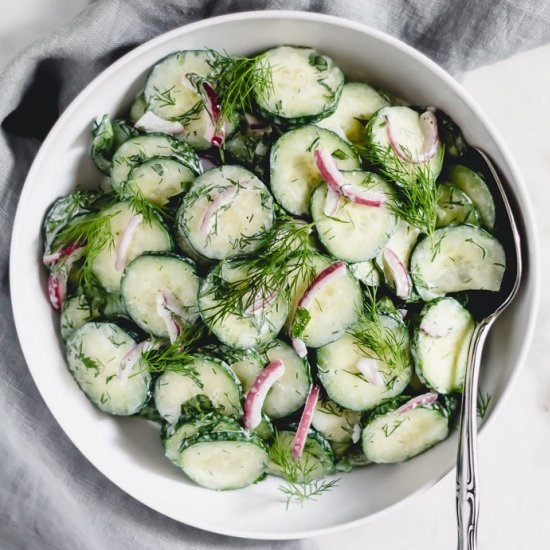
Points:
(467, 499)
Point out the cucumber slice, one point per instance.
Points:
(148, 237)
(224, 460)
(357, 104)
(168, 92)
(232, 227)
(140, 149)
(335, 308)
(306, 85)
(251, 148)
(63, 212)
(107, 136)
(366, 272)
(94, 355)
(158, 180)
(212, 378)
(138, 108)
(454, 207)
(239, 329)
(173, 435)
(343, 381)
(407, 135)
(75, 312)
(317, 460)
(462, 257)
(355, 232)
(474, 186)
(148, 276)
(391, 437)
(334, 422)
(293, 172)
(440, 345)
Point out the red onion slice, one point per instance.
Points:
(261, 302)
(167, 316)
(57, 288)
(435, 330)
(299, 347)
(327, 276)
(149, 122)
(125, 241)
(207, 162)
(399, 274)
(215, 130)
(51, 258)
(305, 423)
(356, 434)
(255, 398)
(419, 401)
(331, 174)
(331, 202)
(224, 197)
(370, 369)
(131, 358)
(428, 127)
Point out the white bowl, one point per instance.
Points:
(128, 451)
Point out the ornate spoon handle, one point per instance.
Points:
(467, 500)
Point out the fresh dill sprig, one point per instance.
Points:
(380, 341)
(240, 81)
(174, 357)
(416, 195)
(284, 259)
(140, 204)
(483, 401)
(300, 485)
(94, 234)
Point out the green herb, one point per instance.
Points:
(301, 318)
(318, 61)
(299, 487)
(484, 252)
(483, 402)
(381, 341)
(283, 260)
(339, 154)
(164, 98)
(239, 82)
(416, 194)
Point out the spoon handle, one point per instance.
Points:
(467, 500)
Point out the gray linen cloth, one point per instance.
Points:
(50, 496)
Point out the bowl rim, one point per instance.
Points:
(519, 186)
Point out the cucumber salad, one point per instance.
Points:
(275, 266)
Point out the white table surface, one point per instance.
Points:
(515, 452)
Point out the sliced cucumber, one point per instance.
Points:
(148, 237)
(474, 186)
(75, 312)
(232, 227)
(107, 136)
(140, 149)
(334, 422)
(210, 377)
(138, 108)
(293, 172)
(366, 272)
(159, 179)
(316, 462)
(251, 148)
(173, 435)
(344, 382)
(94, 355)
(239, 329)
(390, 437)
(461, 257)
(440, 345)
(150, 274)
(224, 460)
(306, 85)
(355, 232)
(335, 308)
(404, 125)
(357, 104)
(454, 207)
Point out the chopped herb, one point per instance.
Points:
(318, 61)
